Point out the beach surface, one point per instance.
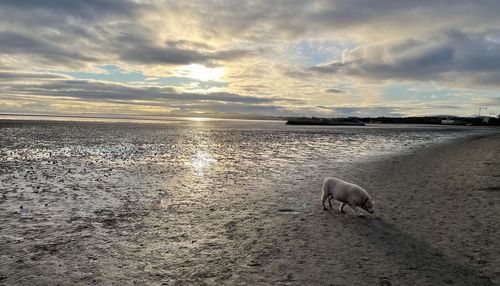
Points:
(436, 223)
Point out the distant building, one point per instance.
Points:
(452, 121)
(448, 121)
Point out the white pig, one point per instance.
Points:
(346, 193)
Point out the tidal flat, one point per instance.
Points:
(238, 203)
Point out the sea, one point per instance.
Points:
(64, 155)
(104, 190)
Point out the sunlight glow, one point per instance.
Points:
(200, 72)
(200, 161)
(198, 119)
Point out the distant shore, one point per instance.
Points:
(361, 121)
(334, 121)
(324, 121)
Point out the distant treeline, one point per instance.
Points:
(324, 121)
(445, 120)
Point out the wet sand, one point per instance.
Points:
(436, 223)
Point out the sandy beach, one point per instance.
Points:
(436, 223)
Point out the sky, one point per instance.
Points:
(221, 58)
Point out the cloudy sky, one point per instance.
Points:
(224, 58)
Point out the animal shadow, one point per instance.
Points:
(417, 255)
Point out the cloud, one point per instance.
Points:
(21, 76)
(88, 10)
(453, 57)
(360, 46)
(97, 90)
(495, 102)
(78, 34)
(334, 90)
(173, 52)
(25, 44)
(364, 20)
(41, 92)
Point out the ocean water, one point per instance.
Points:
(80, 188)
(63, 157)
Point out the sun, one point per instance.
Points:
(200, 72)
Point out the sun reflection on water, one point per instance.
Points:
(200, 161)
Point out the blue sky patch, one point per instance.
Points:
(314, 52)
(426, 92)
